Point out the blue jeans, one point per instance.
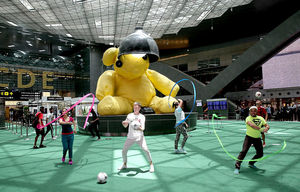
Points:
(67, 141)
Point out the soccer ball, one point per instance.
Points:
(258, 94)
(136, 124)
(101, 178)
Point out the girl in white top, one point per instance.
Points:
(136, 122)
(49, 118)
(180, 127)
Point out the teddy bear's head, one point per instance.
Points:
(134, 55)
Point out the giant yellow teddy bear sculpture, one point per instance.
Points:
(131, 80)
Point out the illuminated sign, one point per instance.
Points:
(22, 72)
(4, 94)
(55, 98)
(17, 95)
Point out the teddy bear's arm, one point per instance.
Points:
(106, 84)
(162, 83)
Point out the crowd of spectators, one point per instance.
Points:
(283, 112)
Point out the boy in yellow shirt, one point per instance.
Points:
(254, 125)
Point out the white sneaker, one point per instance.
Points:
(122, 167)
(182, 151)
(176, 151)
(151, 170)
(236, 171)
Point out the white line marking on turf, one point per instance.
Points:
(280, 133)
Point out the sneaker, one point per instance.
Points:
(236, 171)
(176, 151)
(98, 139)
(53, 138)
(252, 166)
(35, 147)
(42, 146)
(122, 167)
(182, 151)
(70, 162)
(63, 159)
(151, 169)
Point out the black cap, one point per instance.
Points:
(139, 43)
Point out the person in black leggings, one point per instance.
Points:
(94, 124)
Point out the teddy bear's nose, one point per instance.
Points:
(119, 63)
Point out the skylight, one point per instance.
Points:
(109, 21)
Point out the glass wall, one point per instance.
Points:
(65, 75)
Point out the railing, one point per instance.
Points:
(17, 128)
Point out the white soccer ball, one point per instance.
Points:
(102, 177)
(258, 94)
(136, 124)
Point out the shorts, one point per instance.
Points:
(39, 131)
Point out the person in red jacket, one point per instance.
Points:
(263, 113)
(39, 129)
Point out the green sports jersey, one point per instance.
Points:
(259, 121)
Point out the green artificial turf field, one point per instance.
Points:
(205, 167)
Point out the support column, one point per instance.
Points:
(2, 113)
(96, 66)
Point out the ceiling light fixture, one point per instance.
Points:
(53, 25)
(56, 25)
(79, 1)
(98, 23)
(106, 37)
(22, 52)
(69, 35)
(13, 24)
(11, 46)
(27, 5)
(61, 57)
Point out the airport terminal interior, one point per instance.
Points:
(149, 95)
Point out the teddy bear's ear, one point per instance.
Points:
(110, 56)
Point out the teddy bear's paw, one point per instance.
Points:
(111, 105)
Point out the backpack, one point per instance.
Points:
(35, 121)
